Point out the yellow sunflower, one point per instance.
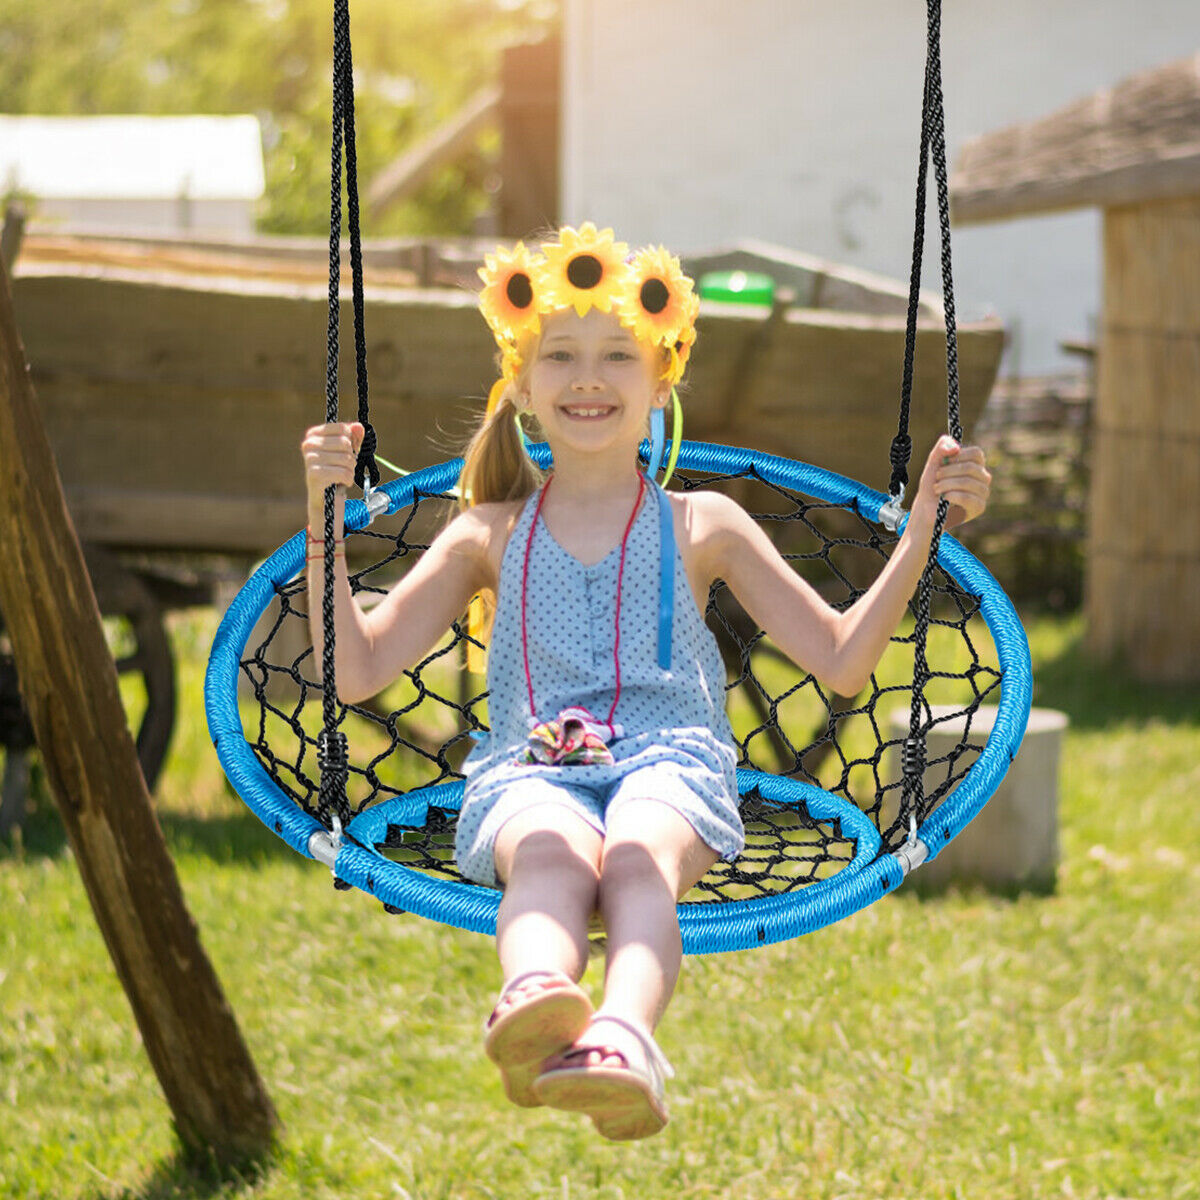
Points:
(659, 304)
(509, 299)
(584, 269)
(513, 354)
(681, 351)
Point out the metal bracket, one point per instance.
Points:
(375, 499)
(914, 851)
(324, 845)
(891, 511)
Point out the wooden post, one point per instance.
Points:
(1142, 591)
(69, 686)
(1134, 150)
(529, 110)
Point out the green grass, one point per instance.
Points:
(959, 1046)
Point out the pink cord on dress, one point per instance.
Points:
(620, 575)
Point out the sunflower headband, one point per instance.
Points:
(587, 269)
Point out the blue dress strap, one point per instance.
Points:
(666, 578)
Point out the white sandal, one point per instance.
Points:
(625, 1101)
(521, 1038)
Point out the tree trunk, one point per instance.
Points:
(69, 686)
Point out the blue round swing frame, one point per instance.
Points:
(705, 927)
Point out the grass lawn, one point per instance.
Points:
(960, 1046)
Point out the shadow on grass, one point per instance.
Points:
(186, 1176)
(39, 831)
(919, 888)
(1096, 694)
(237, 836)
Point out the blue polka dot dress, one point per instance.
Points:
(673, 741)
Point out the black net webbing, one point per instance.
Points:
(417, 733)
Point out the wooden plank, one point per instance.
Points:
(147, 519)
(245, 335)
(1137, 141)
(165, 257)
(201, 388)
(400, 261)
(443, 145)
(70, 690)
(816, 283)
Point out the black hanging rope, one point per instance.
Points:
(933, 142)
(365, 468)
(332, 749)
(901, 449)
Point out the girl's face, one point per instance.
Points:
(591, 384)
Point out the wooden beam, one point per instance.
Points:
(443, 145)
(12, 235)
(69, 687)
(529, 120)
(1135, 142)
(1142, 586)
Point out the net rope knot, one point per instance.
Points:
(912, 756)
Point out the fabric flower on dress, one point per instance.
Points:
(575, 737)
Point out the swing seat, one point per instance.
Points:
(820, 844)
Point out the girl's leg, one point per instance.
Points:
(548, 858)
(651, 857)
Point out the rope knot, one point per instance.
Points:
(899, 454)
(366, 466)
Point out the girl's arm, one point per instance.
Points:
(841, 648)
(373, 648)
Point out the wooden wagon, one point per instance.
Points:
(176, 379)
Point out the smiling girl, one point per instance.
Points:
(607, 780)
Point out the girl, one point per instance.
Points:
(607, 780)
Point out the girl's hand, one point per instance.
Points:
(330, 453)
(957, 472)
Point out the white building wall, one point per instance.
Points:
(699, 122)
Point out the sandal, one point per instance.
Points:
(624, 1100)
(522, 1034)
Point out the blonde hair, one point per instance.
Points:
(495, 468)
(495, 465)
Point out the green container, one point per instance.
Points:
(738, 287)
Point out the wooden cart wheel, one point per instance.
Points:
(143, 648)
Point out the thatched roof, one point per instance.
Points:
(1134, 142)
